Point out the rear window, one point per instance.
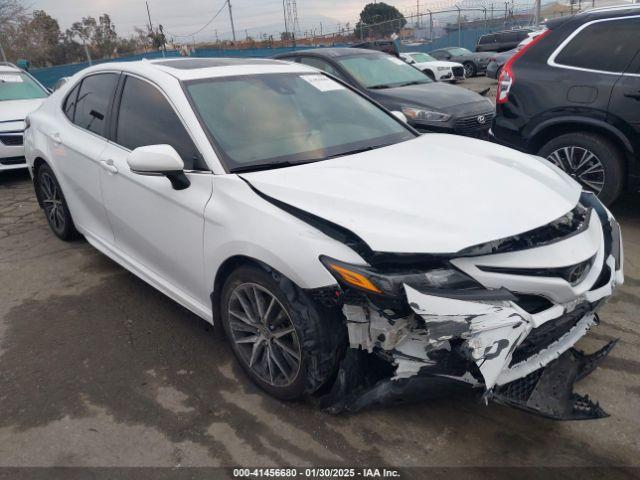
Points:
(606, 46)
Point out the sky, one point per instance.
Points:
(183, 17)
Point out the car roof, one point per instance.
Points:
(591, 14)
(198, 68)
(332, 52)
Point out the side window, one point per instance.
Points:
(145, 117)
(508, 37)
(320, 65)
(608, 46)
(93, 101)
(485, 39)
(70, 103)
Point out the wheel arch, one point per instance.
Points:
(227, 267)
(545, 131)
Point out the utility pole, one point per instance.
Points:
(149, 15)
(286, 27)
(418, 14)
(233, 28)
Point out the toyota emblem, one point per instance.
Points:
(481, 119)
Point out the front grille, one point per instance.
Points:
(12, 161)
(574, 274)
(474, 124)
(547, 333)
(12, 140)
(458, 71)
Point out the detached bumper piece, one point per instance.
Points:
(362, 383)
(549, 390)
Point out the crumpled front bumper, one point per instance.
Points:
(493, 336)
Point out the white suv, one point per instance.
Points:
(20, 94)
(332, 242)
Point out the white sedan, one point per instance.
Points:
(437, 70)
(333, 243)
(20, 94)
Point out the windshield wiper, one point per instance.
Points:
(415, 82)
(380, 87)
(355, 150)
(268, 166)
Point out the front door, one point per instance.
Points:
(158, 230)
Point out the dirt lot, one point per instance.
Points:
(99, 369)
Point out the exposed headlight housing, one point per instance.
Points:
(374, 281)
(422, 115)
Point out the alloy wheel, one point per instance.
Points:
(263, 334)
(582, 165)
(468, 70)
(52, 201)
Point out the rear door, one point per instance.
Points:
(624, 107)
(601, 51)
(77, 145)
(158, 230)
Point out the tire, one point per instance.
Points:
(318, 336)
(429, 74)
(54, 204)
(470, 69)
(602, 173)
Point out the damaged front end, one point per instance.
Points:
(501, 318)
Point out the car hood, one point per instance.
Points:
(13, 112)
(437, 95)
(437, 193)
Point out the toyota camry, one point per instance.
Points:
(336, 246)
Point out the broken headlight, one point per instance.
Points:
(390, 283)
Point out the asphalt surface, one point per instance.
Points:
(99, 369)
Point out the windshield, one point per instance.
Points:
(271, 120)
(18, 86)
(382, 71)
(457, 52)
(422, 57)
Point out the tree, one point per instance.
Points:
(379, 20)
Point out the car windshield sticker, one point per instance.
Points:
(395, 60)
(10, 78)
(322, 83)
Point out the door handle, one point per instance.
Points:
(108, 166)
(633, 95)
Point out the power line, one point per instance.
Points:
(209, 22)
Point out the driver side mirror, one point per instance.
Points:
(159, 160)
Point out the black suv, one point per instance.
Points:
(572, 96)
(501, 41)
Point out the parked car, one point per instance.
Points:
(20, 94)
(429, 106)
(498, 61)
(572, 96)
(335, 245)
(501, 41)
(386, 46)
(474, 63)
(436, 70)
